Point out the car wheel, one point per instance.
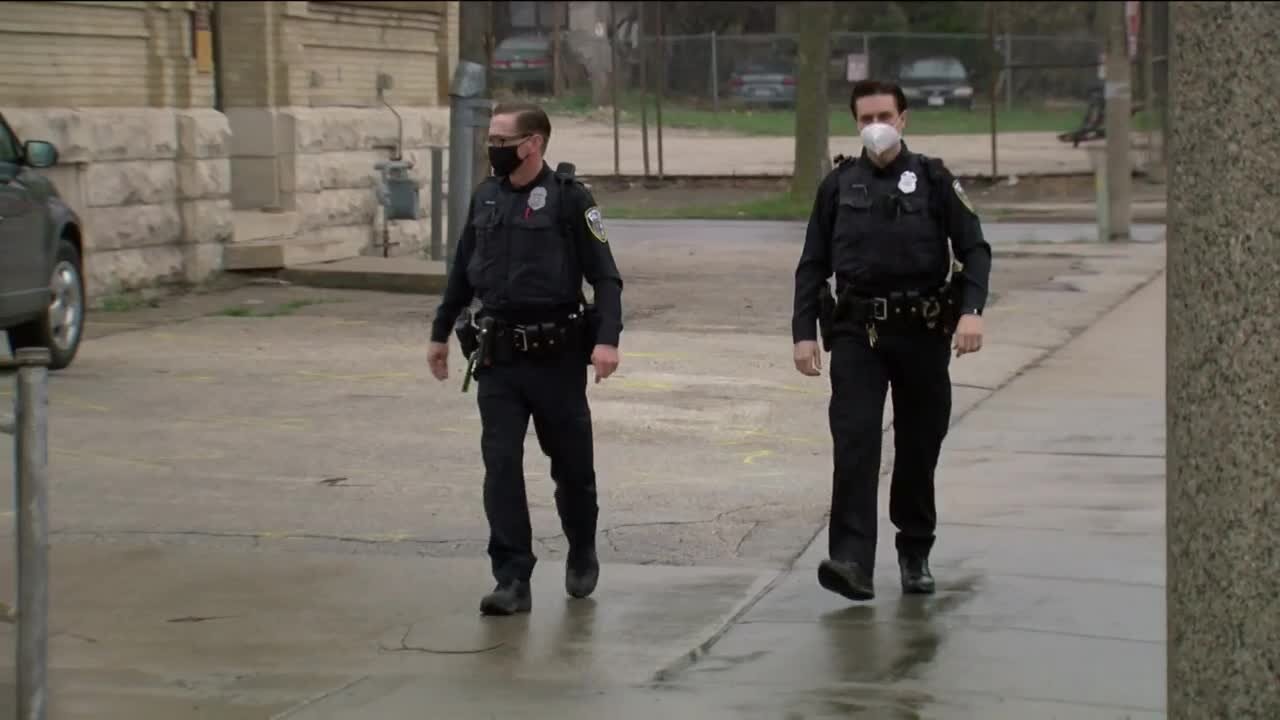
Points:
(61, 325)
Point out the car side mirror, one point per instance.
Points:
(40, 154)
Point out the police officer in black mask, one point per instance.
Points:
(532, 236)
(881, 224)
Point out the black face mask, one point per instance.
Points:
(504, 160)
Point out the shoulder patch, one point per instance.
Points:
(959, 190)
(595, 223)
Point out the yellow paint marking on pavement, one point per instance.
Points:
(285, 423)
(801, 390)
(161, 463)
(643, 385)
(653, 355)
(75, 402)
(67, 400)
(751, 458)
(197, 378)
(371, 376)
(756, 436)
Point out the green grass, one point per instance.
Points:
(125, 302)
(781, 122)
(775, 207)
(288, 308)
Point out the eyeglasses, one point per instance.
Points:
(503, 141)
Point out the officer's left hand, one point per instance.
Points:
(968, 336)
(605, 360)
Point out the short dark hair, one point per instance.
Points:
(531, 119)
(866, 88)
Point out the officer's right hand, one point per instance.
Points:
(438, 359)
(808, 357)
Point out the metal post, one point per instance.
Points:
(1008, 71)
(661, 83)
(715, 75)
(1149, 79)
(995, 80)
(31, 460)
(613, 87)
(437, 201)
(1119, 97)
(644, 89)
(464, 99)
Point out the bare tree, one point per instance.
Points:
(813, 110)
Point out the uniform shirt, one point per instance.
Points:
(509, 264)
(886, 229)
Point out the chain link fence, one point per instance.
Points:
(747, 84)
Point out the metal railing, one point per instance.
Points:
(30, 429)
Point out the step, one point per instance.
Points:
(286, 252)
(256, 225)
(406, 274)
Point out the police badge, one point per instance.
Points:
(595, 223)
(538, 198)
(907, 182)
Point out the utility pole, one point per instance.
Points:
(993, 90)
(1119, 98)
(557, 70)
(1149, 80)
(475, 44)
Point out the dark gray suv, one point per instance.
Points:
(42, 297)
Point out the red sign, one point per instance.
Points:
(1132, 24)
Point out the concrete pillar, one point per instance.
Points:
(256, 82)
(1223, 395)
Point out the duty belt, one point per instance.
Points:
(897, 311)
(534, 339)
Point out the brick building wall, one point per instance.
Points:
(162, 150)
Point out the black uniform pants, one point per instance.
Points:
(554, 395)
(916, 367)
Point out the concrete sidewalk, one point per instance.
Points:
(1050, 562)
(1051, 570)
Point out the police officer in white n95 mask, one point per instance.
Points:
(911, 268)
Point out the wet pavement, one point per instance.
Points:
(263, 507)
(1050, 562)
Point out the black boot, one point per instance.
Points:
(508, 598)
(916, 579)
(847, 579)
(581, 572)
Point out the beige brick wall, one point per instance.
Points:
(244, 34)
(345, 46)
(99, 54)
(81, 54)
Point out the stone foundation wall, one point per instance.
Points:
(152, 187)
(328, 161)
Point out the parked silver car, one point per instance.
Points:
(936, 82)
(42, 298)
(770, 83)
